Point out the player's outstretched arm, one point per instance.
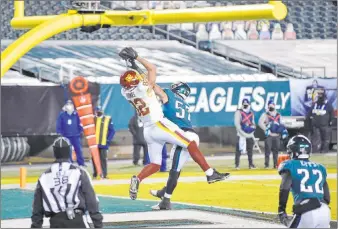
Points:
(284, 190)
(151, 71)
(159, 92)
(130, 54)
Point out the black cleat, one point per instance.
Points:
(133, 189)
(158, 193)
(216, 176)
(163, 205)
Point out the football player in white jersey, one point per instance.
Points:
(140, 91)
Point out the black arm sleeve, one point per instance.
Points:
(326, 193)
(284, 190)
(38, 211)
(92, 203)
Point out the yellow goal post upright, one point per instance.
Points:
(46, 26)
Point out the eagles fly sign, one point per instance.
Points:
(211, 104)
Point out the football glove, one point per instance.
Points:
(283, 218)
(128, 53)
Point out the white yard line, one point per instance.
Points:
(215, 220)
(5, 168)
(189, 179)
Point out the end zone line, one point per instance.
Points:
(202, 205)
(190, 204)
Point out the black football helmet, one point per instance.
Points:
(299, 147)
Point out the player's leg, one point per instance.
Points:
(171, 133)
(174, 153)
(180, 157)
(307, 220)
(294, 223)
(323, 216)
(155, 157)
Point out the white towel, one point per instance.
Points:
(242, 144)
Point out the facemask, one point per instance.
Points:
(245, 106)
(69, 108)
(271, 109)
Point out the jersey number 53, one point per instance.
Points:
(140, 107)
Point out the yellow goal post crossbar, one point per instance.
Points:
(44, 27)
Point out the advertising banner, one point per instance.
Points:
(304, 93)
(211, 104)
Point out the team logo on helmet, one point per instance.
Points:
(300, 147)
(181, 89)
(130, 79)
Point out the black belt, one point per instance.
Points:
(307, 205)
(52, 214)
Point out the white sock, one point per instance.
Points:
(209, 172)
(166, 195)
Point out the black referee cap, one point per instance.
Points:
(62, 148)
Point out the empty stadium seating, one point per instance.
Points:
(101, 59)
(311, 19)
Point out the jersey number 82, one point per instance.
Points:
(140, 107)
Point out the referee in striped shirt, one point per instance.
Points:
(64, 192)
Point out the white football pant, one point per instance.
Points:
(161, 132)
(317, 218)
(178, 155)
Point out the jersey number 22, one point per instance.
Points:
(309, 188)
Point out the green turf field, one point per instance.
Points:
(250, 194)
